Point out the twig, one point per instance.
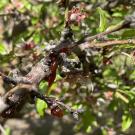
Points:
(8, 79)
(13, 80)
(107, 43)
(119, 26)
(54, 102)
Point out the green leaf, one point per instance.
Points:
(117, 14)
(7, 131)
(113, 106)
(43, 86)
(2, 50)
(88, 120)
(129, 33)
(3, 3)
(130, 94)
(103, 20)
(122, 97)
(41, 106)
(126, 120)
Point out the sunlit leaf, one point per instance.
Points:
(7, 131)
(103, 20)
(41, 106)
(43, 86)
(2, 49)
(122, 97)
(126, 121)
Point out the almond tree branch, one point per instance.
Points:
(19, 95)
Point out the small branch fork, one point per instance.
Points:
(26, 87)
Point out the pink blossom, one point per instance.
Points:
(76, 16)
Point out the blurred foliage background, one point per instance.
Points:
(105, 90)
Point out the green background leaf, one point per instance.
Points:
(41, 106)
